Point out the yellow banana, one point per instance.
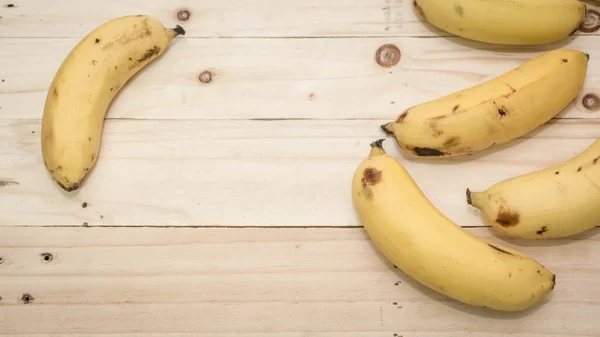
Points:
(92, 74)
(493, 112)
(429, 247)
(518, 22)
(558, 201)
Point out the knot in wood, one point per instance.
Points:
(591, 22)
(591, 102)
(205, 77)
(183, 15)
(387, 55)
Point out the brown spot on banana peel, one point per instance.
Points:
(55, 93)
(459, 10)
(455, 108)
(506, 218)
(371, 176)
(428, 152)
(149, 53)
(452, 141)
(542, 230)
(401, 118)
(435, 131)
(500, 249)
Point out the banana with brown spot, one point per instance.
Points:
(426, 245)
(558, 201)
(493, 112)
(85, 84)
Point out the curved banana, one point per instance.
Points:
(84, 86)
(558, 201)
(493, 112)
(518, 22)
(429, 247)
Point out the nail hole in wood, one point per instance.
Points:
(205, 77)
(591, 22)
(46, 257)
(387, 55)
(84, 205)
(10, 5)
(27, 298)
(183, 15)
(1, 259)
(591, 102)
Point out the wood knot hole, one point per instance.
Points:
(591, 22)
(183, 15)
(205, 77)
(47, 257)
(1, 260)
(27, 298)
(387, 55)
(591, 102)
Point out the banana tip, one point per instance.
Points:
(469, 196)
(179, 30)
(386, 128)
(69, 188)
(587, 55)
(553, 281)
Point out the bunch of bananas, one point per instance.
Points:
(403, 224)
(555, 202)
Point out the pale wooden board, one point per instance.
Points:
(243, 282)
(215, 18)
(282, 78)
(250, 173)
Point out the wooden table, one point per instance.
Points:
(222, 207)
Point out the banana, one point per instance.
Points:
(85, 84)
(517, 22)
(558, 201)
(493, 112)
(425, 244)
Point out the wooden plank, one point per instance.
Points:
(246, 282)
(249, 173)
(282, 78)
(214, 18)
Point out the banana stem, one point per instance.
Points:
(178, 30)
(473, 198)
(377, 148)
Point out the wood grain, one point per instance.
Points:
(283, 78)
(249, 173)
(243, 282)
(214, 18)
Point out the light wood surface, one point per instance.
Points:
(335, 78)
(223, 209)
(250, 173)
(244, 282)
(231, 18)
